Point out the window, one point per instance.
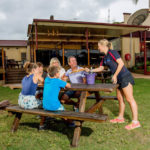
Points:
(23, 56)
(45, 56)
(82, 57)
(95, 57)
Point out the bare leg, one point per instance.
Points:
(128, 93)
(65, 100)
(121, 103)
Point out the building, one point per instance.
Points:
(13, 53)
(142, 56)
(49, 38)
(58, 38)
(15, 49)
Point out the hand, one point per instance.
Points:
(64, 78)
(87, 69)
(114, 79)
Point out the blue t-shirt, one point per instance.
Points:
(52, 87)
(110, 61)
(28, 86)
(76, 77)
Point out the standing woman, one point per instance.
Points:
(121, 76)
(55, 62)
(27, 99)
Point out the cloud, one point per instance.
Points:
(2, 16)
(15, 15)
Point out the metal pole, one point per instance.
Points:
(63, 54)
(131, 50)
(87, 46)
(145, 54)
(36, 40)
(3, 64)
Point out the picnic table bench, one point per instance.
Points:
(80, 116)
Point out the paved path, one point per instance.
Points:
(135, 75)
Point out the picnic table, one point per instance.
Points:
(87, 90)
(79, 117)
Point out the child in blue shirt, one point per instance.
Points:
(52, 86)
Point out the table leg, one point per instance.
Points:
(77, 130)
(98, 99)
(16, 122)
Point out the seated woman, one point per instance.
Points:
(27, 99)
(55, 62)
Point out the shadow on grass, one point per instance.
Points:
(61, 127)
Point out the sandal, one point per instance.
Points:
(133, 125)
(117, 120)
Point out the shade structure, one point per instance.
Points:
(46, 34)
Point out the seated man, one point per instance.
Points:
(75, 75)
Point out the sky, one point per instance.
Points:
(15, 15)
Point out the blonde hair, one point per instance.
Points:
(105, 42)
(54, 59)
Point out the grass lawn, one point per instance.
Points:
(94, 136)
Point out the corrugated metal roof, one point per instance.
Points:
(19, 43)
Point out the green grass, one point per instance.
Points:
(94, 136)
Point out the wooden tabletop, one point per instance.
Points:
(94, 87)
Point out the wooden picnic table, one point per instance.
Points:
(87, 90)
(79, 117)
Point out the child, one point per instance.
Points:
(52, 86)
(27, 99)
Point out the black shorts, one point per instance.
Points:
(125, 81)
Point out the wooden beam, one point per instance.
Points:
(3, 63)
(32, 50)
(87, 45)
(34, 55)
(36, 36)
(74, 34)
(63, 54)
(66, 40)
(36, 41)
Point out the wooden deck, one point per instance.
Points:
(13, 86)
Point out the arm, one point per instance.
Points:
(38, 78)
(68, 85)
(120, 65)
(99, 69)
(84, 80)
(64, 78)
